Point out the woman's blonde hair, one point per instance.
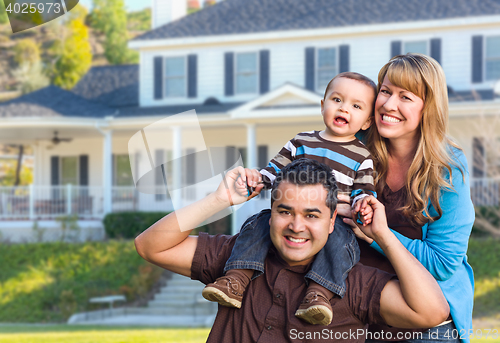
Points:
(424, 77)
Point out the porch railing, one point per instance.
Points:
(86, 202)
(47, 202)
(485, 191)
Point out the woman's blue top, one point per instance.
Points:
(443, 248)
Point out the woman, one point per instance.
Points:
(423, 181)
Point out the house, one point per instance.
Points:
(254, 72)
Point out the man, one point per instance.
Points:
(302, 215)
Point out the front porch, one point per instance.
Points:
(84, 202)
(87, 202)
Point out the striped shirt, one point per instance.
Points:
(351, 162)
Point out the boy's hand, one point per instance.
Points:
(254, 182)
(363, 211)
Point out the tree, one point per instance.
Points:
(3, 14)
(31, 77)
(110, 18)
(75, 56)
(26, 52)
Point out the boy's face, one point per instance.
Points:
(347, 108)
(300, 222)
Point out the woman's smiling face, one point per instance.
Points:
(398, 112)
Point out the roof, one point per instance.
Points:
(253, 16)
(114, 86)
(53, 101)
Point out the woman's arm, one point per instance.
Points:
(445, 241)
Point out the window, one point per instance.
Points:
(492, 58)
(246, 73)
(69, 170)
(417, 46)
(122, 172)
(327, 67)
(175, 77)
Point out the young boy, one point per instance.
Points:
(346, 108)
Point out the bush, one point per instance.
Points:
(130, 224)
(26, 51)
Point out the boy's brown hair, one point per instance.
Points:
(354, 76)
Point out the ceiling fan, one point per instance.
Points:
(56, 140)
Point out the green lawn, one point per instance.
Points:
(98, 334)
(102, 334)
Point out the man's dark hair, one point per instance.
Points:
(305, 172)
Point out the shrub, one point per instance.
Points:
(129, 224)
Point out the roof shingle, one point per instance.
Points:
(115, 86)
(53, 101)
(253, 16)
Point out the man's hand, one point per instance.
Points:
(378, 227)
(233, 188)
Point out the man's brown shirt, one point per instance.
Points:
(270, 301)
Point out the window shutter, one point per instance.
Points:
(477, 59)
(192, 76)
(159, 182)
(478, 158)
(262, 156)
(158, 77)
(229, 73)
(84, 170)
(396, 48)
(436, 49)
(264, 71)
(309, 77)
(54, 170)
(344, 58)
(230, 156)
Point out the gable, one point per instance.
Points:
(278, 101)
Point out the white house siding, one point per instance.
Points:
(368, 53)
(457, 56)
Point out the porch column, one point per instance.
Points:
(107, 170)
(177, 166)
(251, 161)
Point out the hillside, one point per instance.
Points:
(45, 36)
(47, 282)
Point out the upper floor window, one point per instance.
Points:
(416, 46)
(492, 58)
(175, 77)
(327, 67)
(246, 73)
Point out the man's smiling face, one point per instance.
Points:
(300, 222)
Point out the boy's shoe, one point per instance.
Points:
(226, 290)
(315, 309)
